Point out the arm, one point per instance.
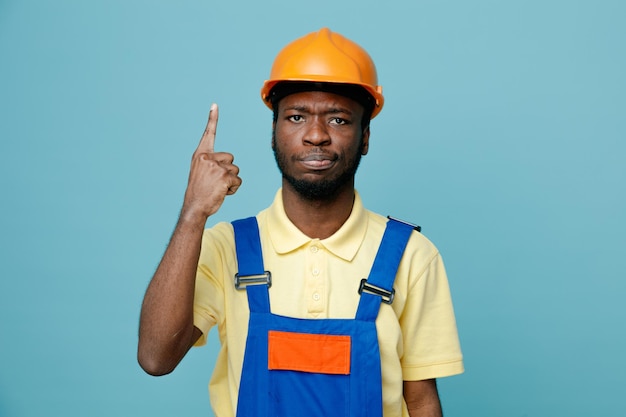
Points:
(166, 330)
(422, 398)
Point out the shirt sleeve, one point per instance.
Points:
(208, 308)
(430, 338)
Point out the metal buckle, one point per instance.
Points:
(386, 296)
(414, 226)
(242, 281)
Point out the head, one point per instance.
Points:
(327, 67)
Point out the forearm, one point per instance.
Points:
(422, 398)
(166, 330)
(433, 410)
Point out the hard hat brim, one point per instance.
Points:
(376, 93)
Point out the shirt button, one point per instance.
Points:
(314, 249)
(315, 272)
(316, 297)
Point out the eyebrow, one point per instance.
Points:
(332, 110)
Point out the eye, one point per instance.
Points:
(296, 118)
(339, 121)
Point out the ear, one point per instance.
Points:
(366, 141)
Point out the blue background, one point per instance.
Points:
(502, 135)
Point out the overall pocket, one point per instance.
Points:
(309, 374)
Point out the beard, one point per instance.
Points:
(322, 189)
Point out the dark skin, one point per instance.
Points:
(320, 135)
(319, 132)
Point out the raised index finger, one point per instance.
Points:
(207, 143)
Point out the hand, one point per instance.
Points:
(212, 175)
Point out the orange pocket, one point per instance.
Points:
(306, 352)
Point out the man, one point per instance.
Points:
(326, 346)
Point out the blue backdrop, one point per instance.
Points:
(502, 135)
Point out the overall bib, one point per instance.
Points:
(313, 367)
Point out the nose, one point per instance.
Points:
(317, 133)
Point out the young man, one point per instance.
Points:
(323, 308)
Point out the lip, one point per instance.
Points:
(318, 162)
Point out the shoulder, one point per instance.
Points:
(221, 232)
(418, 242)
(218, 242)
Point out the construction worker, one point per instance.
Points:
(323, 308)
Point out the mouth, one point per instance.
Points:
(318, 161)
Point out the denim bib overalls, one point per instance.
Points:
(313, 367)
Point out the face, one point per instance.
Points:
(318, 143)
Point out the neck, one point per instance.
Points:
(318, 219)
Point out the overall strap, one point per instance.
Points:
(250, 264)
(379, 285)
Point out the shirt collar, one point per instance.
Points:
(345, 243)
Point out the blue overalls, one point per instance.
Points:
(313, 367)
